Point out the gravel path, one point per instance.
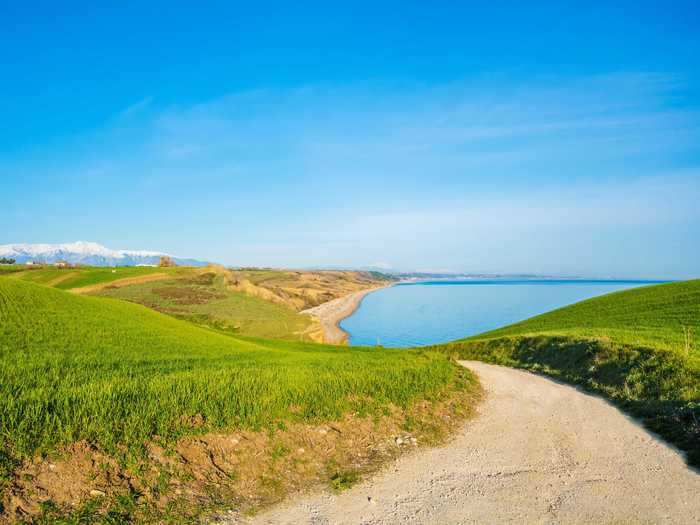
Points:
(538, 452)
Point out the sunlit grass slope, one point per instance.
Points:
(205, 299)
(116, 374)
(639, 347)
(67, 278)
(252, 302)
(663, 316)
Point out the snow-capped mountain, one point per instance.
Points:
(89, 253)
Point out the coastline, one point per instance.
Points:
(331, 313)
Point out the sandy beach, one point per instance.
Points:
(331, 313)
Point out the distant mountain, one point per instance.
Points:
(88, 253)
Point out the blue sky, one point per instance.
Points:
(463, 136)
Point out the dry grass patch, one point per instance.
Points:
(301, 290)
(186, 295)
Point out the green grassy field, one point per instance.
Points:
(67, 278)
(213, 303)
(204, 299)
(661, 316)
(640, 348)
(117, 374)
(10, 268)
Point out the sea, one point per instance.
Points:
(428, 312)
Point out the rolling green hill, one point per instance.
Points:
(250, 302)
(639, 347)
(116, 375)
(193, 294)
(205, 299)
(68, 278)
(664, 316)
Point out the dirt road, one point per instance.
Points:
(538, 452)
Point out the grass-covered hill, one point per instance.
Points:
(116, 376)
(303, 289)
(83, 276)
(206, 298)
(665, 316)
(200, 295)
(638, 347)
(252, 302)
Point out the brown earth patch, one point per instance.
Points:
(205, 278)
(80, 472)
(242, 470)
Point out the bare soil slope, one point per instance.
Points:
(301, 290)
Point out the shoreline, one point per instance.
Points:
(331, 313)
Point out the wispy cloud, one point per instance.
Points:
(423, 176)
(464, 126)
(135, 108)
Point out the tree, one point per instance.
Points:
(6, 260)
(166, 261)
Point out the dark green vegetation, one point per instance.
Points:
(205, 299)
(341, 481)
(640, 348)
(116, 375)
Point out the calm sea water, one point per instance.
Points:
(422, 313)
